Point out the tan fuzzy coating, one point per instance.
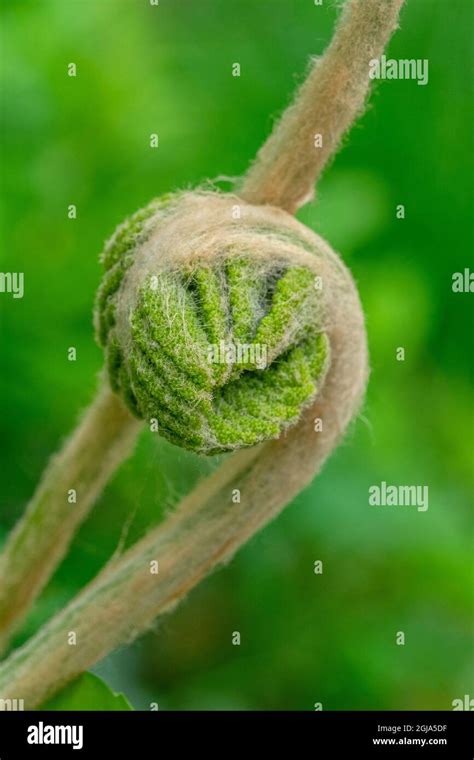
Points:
(207, 528)
(104, 438)
(177, 303)
(332, 96)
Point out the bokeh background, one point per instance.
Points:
(305, 638)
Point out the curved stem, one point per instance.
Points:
(326, 105)
(207, 527)
(71, 483)
(205, 531)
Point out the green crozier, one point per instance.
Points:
(223, 354)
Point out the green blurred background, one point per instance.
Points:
(305, 638)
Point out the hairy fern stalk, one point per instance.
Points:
(181, 276)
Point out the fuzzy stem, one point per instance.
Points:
(40, 539)
(331, 98)
(205, 531)
(207, 528)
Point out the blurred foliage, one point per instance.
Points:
(305, 638)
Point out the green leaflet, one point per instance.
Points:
(87, 692)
